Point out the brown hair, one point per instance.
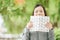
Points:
(42, 7)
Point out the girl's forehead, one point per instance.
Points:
(39, 8)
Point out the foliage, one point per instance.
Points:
(16, 15)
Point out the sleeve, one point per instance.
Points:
(51, 35)
(25, 34)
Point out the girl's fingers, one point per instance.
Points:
(48, 25)
(30, 24)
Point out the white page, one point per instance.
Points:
(39, 23)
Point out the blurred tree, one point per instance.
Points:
(53, 11)
(16, 13)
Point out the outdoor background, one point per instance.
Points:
(16, 14)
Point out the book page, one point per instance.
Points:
(39, 23)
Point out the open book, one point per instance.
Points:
(39, 23)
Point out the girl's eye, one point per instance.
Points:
(41, 11)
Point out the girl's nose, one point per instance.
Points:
(39, 13)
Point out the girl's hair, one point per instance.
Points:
(42, 7)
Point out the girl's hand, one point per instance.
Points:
(30, 25)
(49, 25)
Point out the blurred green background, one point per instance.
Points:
(16, 14)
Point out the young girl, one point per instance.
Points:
(39, 10)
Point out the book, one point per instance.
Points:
(39, 23)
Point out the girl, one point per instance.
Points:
(39, 10)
